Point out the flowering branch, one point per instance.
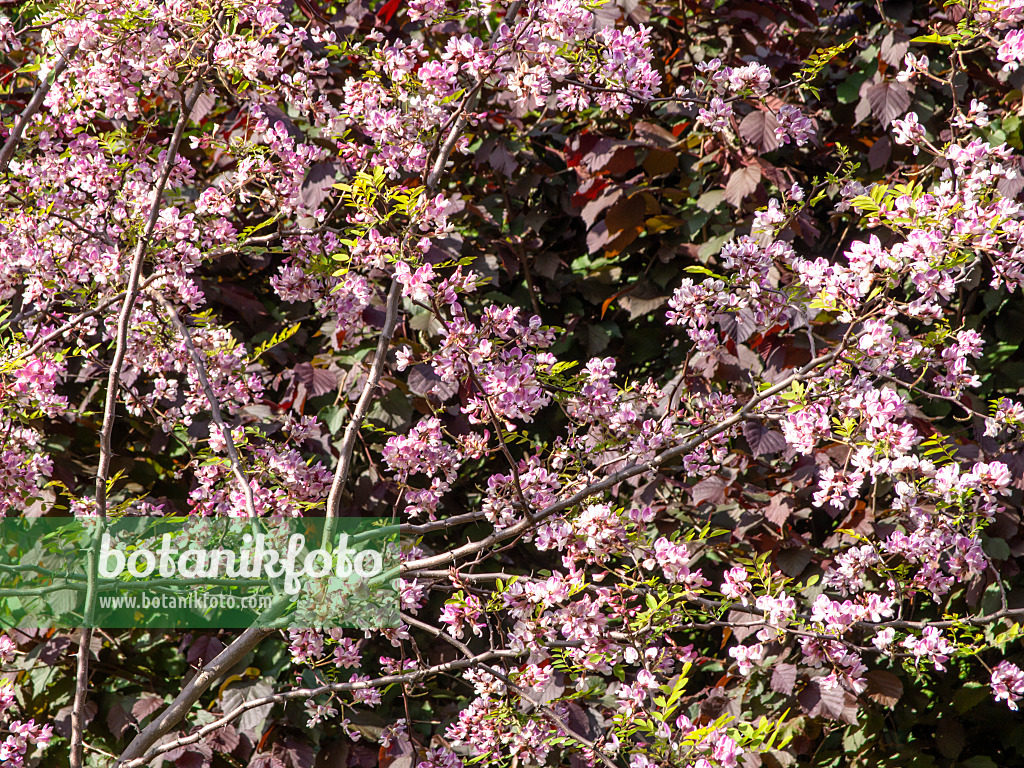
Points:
(34, 105)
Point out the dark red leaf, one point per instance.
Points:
(62, 722)
(627, 214)
(783, 678)
(758, 128)
(389, 9)
(592, 211)
(119, 720)
(710, 489)
(611, 156)
(884, 687)
(888, 100)
(763, 440)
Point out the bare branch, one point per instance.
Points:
(308, 693)
(190, 694)
(348, 443)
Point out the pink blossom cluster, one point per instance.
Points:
(1008, 683)
(22, 734)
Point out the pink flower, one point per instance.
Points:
(1011, 50)
(716, 115)
(793, 126)
(747, 656)
(1008, 683)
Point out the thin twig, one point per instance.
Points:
(617, 477)
(308, 693)
(109, 413)
(348, 442)
(344, 467)
(211, 397)
(545, 709)
(77, 319)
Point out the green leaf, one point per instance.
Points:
(939, 39)
(698, 270)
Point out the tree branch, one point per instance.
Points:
(617, 477)
(189, 695)
(308, 693)
(109, 413)
(348, 443)
(33, 106)
(211, 397)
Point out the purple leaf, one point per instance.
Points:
(779, 509)
(297, 753)
(597, 237)
(758, 128)
(204, 650)
(319, 381)
(832, 702)
(62, 722)
(593, 209)
(894, 47)
(810, 699)
(763, 440)
(612, 155)
(202, 108)
(118, 720)
(502, 160)
(195, 756)
(742, 184)
(251, 721)
(224, 739)
(888, 101)
(1011, 187)
(423, 382)
(784, 678)
(146, 706)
